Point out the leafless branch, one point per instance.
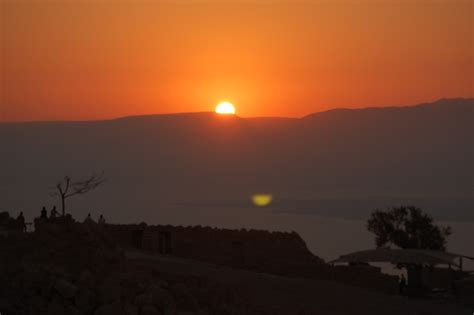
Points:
(67, 188)
(85, 185)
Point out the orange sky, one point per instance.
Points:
(75, 59)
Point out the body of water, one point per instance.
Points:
(325, 237)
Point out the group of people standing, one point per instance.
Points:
(89, 219)
(44, 214)
(20, 220)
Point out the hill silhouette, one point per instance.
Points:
(340, 162)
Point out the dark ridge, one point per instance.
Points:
(441, 103)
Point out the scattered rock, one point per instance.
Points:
(110, 309)
(160, 297)
(183, 298)
(143, 299)
(65, 288)
(55, 309)
(84, 299)
(86, 279)
(130, 309)
(71, 310)
(110, 293)
(149, 310)
(186, 313)
(37, 305)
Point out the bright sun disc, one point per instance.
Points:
(225, 108)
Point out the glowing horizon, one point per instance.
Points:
(96, 60)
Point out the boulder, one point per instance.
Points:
(161, 298)
(84, 299)
(65, 288)
(110, 309)
(185, 313)
(86, 279)
(110, 293)
(130, 309)
(183, 297)
(71, 310)
(149, 310)
(56, 309)
(162, 284)
(47, 286)
(37, 305)
(143, 300)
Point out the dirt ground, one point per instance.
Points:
(284, 295)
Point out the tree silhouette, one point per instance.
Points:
(67, 188)
(407, 227)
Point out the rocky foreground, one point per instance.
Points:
(71, 268)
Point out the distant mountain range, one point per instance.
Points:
(342, 162)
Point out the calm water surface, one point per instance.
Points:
(327, 238)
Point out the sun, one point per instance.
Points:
(225, 108)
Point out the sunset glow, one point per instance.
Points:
(95, 60)
(211, 157)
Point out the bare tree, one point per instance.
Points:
(67, 187)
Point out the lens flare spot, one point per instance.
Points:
(262, 200)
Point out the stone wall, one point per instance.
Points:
(249, 249)
(70, 268)
(279, 253)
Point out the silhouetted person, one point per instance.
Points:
(101, 220)
(44, 214)
(402, 284)
(53, 213)
(89, 219)
(21, 222)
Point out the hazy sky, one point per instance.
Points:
(89, 59)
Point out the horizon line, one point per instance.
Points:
(234, 115)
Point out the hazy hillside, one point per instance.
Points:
(341, 162)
